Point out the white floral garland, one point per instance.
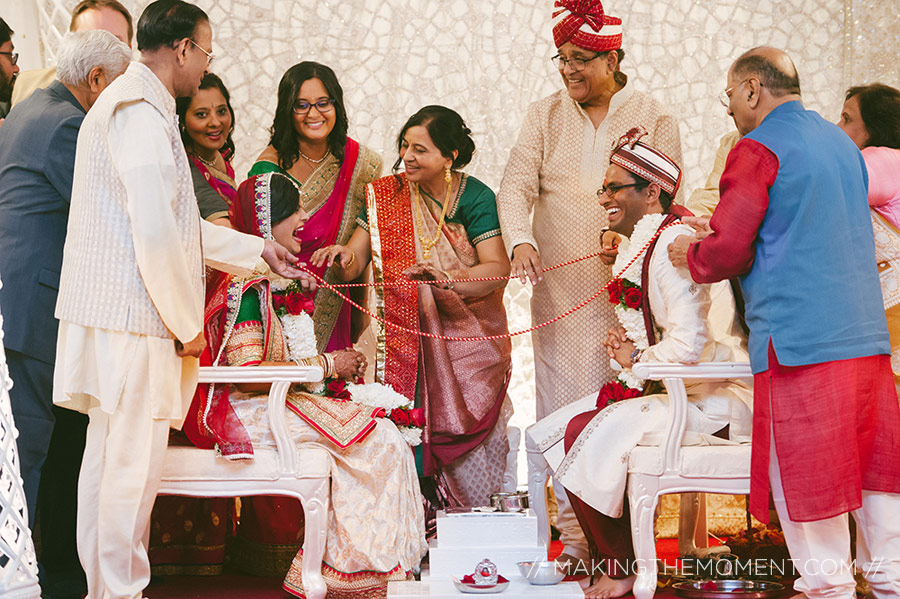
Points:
(632, 319)
(300, 336)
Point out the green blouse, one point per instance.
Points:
(265, 166)
(250, 309)
(475, 208)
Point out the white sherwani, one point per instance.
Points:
(694, 328)
(132, 283)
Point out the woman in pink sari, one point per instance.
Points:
(434, 222)
(207, 122)
(309, 144)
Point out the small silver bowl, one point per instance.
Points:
(510, 502)
(541, 572)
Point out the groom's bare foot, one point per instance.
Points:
(607, 588)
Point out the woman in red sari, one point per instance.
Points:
(207, 122)
(375, 530)
(434, 222)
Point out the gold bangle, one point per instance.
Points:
(351, 261)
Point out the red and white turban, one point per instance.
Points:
(648, 163)
(583, 23)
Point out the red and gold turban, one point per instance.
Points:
(584, 23)
(646, 162)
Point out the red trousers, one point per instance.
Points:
(609, 538)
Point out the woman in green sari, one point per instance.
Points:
(435, 222)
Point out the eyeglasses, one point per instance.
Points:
(13, 57)
(725, 96)
(209, 55)
(611, 190)
(302, 107)
(577, 64)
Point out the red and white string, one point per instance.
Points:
(400, 327)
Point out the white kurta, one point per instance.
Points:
(132, 385)
(92, 363)
(694, 328)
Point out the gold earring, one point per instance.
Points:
(447, 174)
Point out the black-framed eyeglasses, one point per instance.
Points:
(577, 64)
(13, 57)
(302, 107)
(612, 190)
(209, 55)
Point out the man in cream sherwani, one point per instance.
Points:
(132, 291)
(584, 442)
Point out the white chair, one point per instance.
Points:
(657, 470)
(284, 470)
(18, 564)
(672, 468)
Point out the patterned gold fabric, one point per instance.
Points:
(245, 346)
(375, 519)
(345, 585)
(554, 171)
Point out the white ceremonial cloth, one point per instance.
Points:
(92, 363)
(596, 467)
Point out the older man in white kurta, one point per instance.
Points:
(131, 297)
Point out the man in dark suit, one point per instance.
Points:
(37, 158)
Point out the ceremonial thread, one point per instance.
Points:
(333, 288)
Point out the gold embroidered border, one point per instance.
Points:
(328, 305)
(378, 273)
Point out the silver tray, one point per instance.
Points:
(728, 589)
(465, 587)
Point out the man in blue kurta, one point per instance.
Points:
(793, 224)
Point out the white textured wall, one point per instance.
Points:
(489, 59)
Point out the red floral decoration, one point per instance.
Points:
(626, 293)
(615, 291)
(400, 417)
(615, 391)
(417, 417)
(632, 297)
(469, 579)
(337, 388)
(293, 303)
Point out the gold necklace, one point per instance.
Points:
(207, 162)
(428, 244)
(312, 160)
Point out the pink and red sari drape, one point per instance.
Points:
(461, 385)
(223, 183)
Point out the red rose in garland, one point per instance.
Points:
(615, 290)
(614, 391)
(632, 297)
(417, 417)
(294, 303)
(400, 417)
(277, 301)
(337, 388)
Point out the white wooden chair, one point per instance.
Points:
(283, 470)
(666, 468)
(673, 468)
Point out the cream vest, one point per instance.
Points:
(100, 285)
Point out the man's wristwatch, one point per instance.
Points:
(636, 355)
